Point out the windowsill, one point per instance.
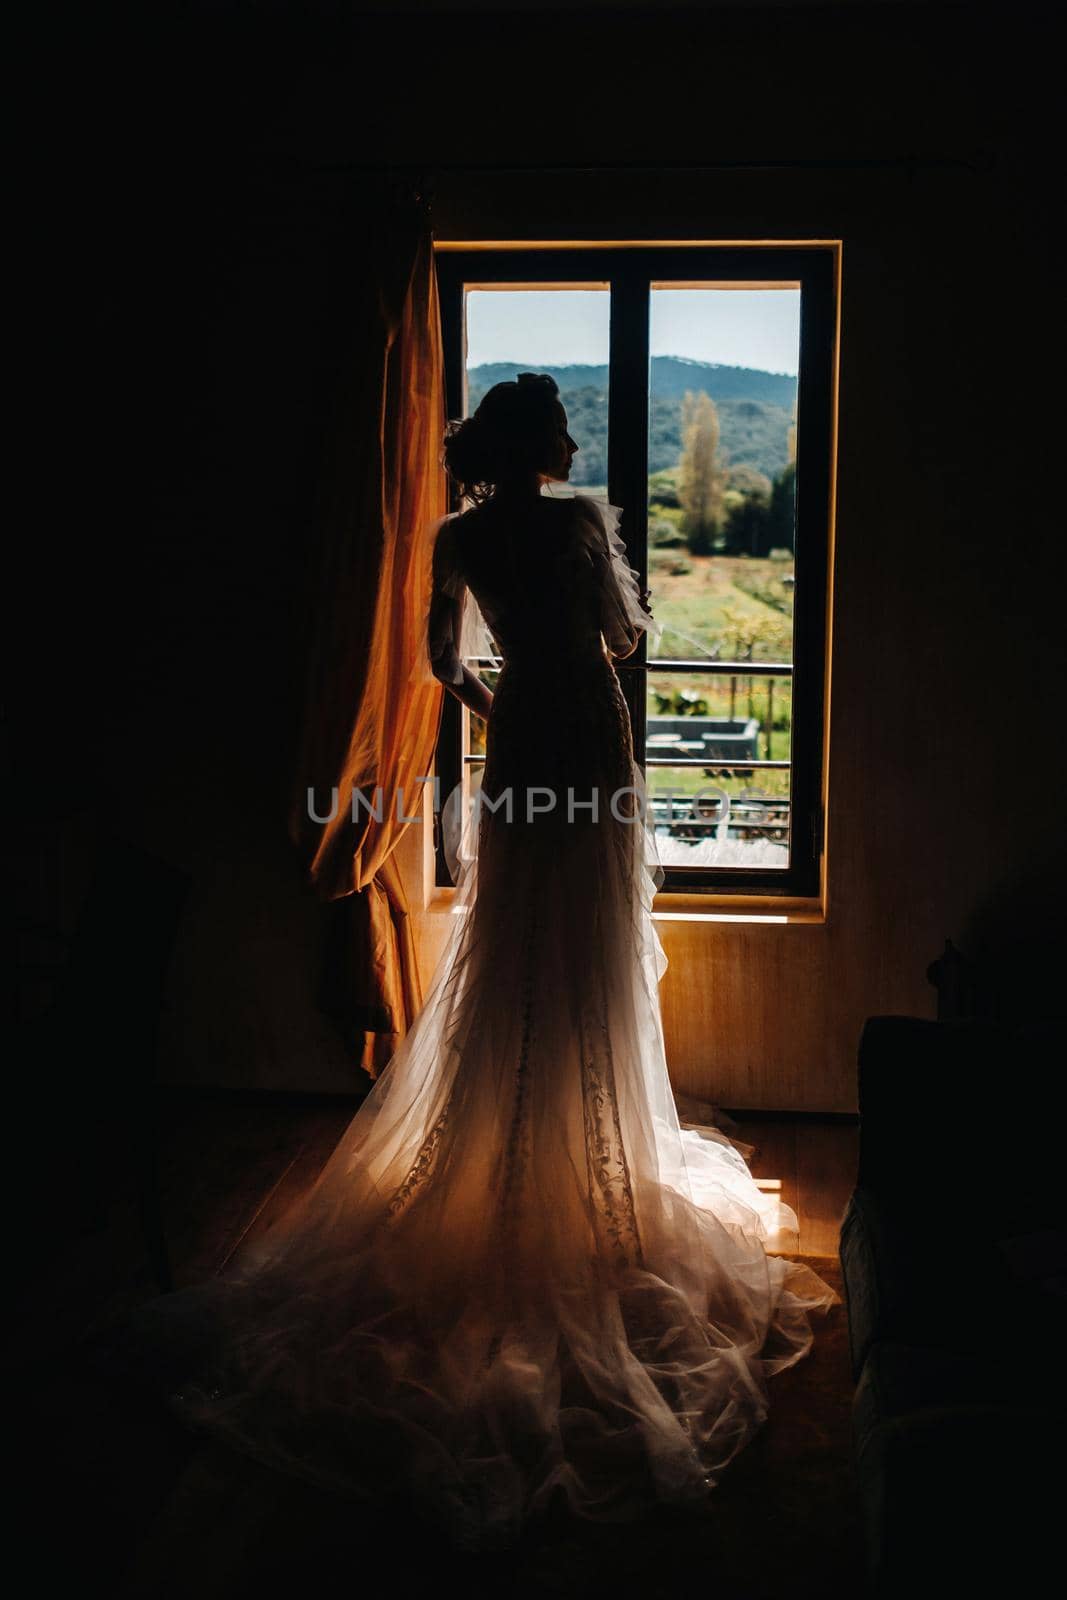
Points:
(750, 908)
(768, 910)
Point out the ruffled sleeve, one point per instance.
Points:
(622, 616)
(455, 629)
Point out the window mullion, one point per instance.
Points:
(628, 382)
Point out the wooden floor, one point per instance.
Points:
(815, 1162)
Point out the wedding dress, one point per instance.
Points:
(518, 1276)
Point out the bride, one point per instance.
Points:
(518, 1277)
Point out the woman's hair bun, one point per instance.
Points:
(507, 433)
(468, 454)
(543, 380)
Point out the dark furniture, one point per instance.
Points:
(952, 1249)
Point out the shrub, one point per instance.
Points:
(770, 590)
(665, 535)
(664, 560)
(663, 488)
(702, 539)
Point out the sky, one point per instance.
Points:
(539, 328)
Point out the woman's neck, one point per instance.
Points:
(514, 491)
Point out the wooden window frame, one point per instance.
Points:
(630, 272)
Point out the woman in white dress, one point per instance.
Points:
(518, 1277)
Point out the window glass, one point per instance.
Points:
(564, 332)
(721, 512)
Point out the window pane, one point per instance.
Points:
(722, 445)
(561, 331)
(564, 332)
(715, 806)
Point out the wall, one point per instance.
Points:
(760, 1014)
(214, 276)
(942, 539)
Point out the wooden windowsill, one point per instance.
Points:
(751, 908)
(768, 910)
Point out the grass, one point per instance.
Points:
(707, 607)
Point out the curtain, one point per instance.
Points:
(370, 718)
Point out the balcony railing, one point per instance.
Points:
(745, 816)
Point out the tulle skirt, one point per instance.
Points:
(517, 1277)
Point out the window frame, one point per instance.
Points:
(629, 272)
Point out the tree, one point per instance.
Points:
(745, 479)
(747, 526)
(700, 476)
(781, 531)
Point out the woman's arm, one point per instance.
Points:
(446, 627)
(473, 693)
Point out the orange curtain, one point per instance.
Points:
(370, 722)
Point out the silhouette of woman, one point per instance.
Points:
(518, 1277)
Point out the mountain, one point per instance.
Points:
(755, 410)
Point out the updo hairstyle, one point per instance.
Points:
(508, 436)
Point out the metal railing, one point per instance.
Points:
(743, 814)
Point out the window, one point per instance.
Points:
(699, 383)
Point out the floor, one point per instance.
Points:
(146, 1512)
(815, 1162)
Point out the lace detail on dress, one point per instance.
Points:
(611, 1192)
(515, 1157)
(422, 1166)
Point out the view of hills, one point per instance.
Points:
(755, 410)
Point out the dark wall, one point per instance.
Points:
(215, 168)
